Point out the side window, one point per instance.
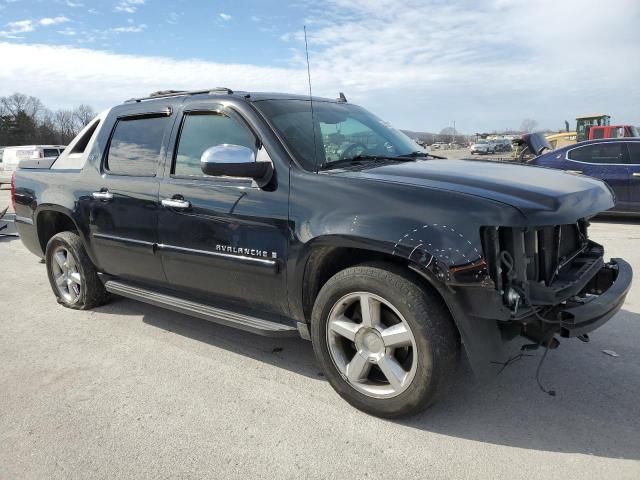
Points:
(598, 133)
(135, 146)
(203, 130)
(82, 143)
(599, 153)
(634, 152)
(50, 152)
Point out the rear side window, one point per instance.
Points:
(634, 152)
(82, 143)
(50, 152)
(201, 131)
(599, 153)
(135, 146)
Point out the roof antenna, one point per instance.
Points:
(313, 123)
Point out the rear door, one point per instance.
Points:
(634, 176)
(124, 204)
(607, 161)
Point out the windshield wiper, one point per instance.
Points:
(359, 159)
(421, 154)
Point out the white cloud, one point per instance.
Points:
(67, 76)
(173, 17)
(12, 29)
(20, 26)
(128, 6)
(225, 17)
(69, 32)
(419, 63)
(74, 4)
(53, 21)
(129, 29)
(490, 63)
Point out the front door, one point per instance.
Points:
(124, 206)
(221, 239)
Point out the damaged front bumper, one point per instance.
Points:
(492, 334)
(601, 298)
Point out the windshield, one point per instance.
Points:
(342, 132)
(634, 132)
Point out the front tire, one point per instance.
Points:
(386, 344)
(72, 275)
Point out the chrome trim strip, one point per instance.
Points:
(261, 261)
(25, 220)
(122, 239)
(162, 246)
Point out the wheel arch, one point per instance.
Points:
(327, 256)
(481, 338)
(51, 219)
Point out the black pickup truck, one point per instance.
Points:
(284, 215)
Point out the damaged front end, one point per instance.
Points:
(553, 280)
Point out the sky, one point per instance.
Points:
(420, 64)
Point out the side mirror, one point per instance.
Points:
(235, 161)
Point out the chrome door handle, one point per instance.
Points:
(636, 174)
(176, 203)
(102, 195)
(578, 172)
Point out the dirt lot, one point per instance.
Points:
(133, 391)
(466, 153)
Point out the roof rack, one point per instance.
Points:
(178, 93)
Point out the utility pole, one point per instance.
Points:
(454, 132)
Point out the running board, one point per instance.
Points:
(217, 315)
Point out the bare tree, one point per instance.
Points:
(64, 122)
(528, 125)
(83, 115)
(18, 102)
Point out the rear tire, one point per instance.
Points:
(71, 273)
(399, 356)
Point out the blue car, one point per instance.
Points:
(614, 160)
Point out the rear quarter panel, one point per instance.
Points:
(38, 190)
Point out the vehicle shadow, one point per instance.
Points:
(8, 238)
(617, 219)
(291, 353)
(596, 410)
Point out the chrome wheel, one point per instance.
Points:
(66, 275)
(372, 345)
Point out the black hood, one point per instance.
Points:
(544, 196)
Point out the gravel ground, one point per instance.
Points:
(133, 391)
(466, 153)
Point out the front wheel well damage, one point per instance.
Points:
(325, 262)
